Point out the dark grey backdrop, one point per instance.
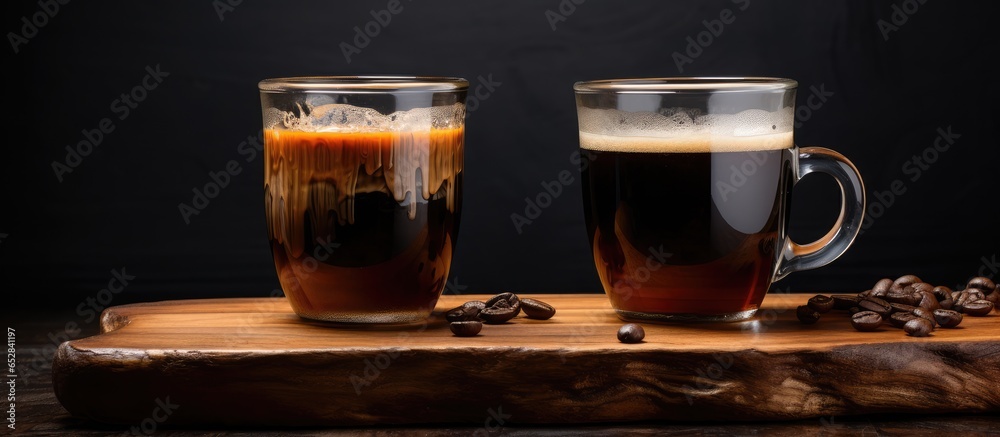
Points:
(893, 86)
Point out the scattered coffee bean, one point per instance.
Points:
(925, 313)
(941, 292)
(877, 305)
(468, 311)
(866, 321)
(926, 299)
(947, 318)
(983, 284)
(918, 327)
(978, 308)
(821, 304)
(844, 301)
(903, 297)
(947, 304)
(807, 315)
(900, 319)
(976, 294)
(882, 286)
(501, 308)
(905, 280)
(902, 308)
(631, 333)
(909, 303)
(468, 328)
(536, 309)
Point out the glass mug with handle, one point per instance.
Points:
(363, 192)
(687, 184)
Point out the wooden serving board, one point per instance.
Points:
(254, 362)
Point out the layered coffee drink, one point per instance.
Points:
(685, 214)
(363, 209)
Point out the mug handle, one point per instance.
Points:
(795, 257)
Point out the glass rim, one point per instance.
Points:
(678, 85)
(364, 84)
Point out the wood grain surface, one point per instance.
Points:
(253, 362)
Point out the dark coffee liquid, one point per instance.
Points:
(689, 233)
(363, 225)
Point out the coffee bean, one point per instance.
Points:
(501, 308)
(925, 313)
(468, 311)
(821, 304)
(806, 314)
(882, 285)
(536, 309)
(900, 319)
(947, 318)
(877, 305)
(866, 321)
(918, 327)
(467, 328)
(902, 308)
(854, 310)
(941, 292)
(921, 287)
(947, 304)
(864, 294)
(844, 301)
(981, 283)
(994, 297)
(976, 294)
(927, 300)
(882, 294)
(978, 308)
(905, 280)
(631, 333)
(960, 300)
(903, 297)
(508, 297)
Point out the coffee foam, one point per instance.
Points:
(684, 131)
(336, 117)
